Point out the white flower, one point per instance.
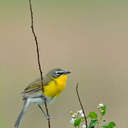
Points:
(74, 115)
(81, 113)
(72, 121)
(83, 126)
(100, 105)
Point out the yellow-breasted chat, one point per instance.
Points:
(54, 82)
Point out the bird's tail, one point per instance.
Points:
(21, 115)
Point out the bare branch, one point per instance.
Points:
(77, 92)
(38, 57)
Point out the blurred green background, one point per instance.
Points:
(90, 38)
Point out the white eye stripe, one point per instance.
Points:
(59, 72)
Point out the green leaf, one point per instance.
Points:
(93, 123)
(110, 125)
(102, 109)
(77, 122)
(92, 115)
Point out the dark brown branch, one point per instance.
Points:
(38, 58)
(77, 92)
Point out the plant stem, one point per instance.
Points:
(38, 59)
(77, 92)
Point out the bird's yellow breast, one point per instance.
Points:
(56, 86)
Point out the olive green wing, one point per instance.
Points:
(35, 87)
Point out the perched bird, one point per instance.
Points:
(54, 82)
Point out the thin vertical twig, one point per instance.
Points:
(77, 92)
(38, 59)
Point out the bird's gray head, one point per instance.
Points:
(57, 72)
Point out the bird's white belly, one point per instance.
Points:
(40, 100)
